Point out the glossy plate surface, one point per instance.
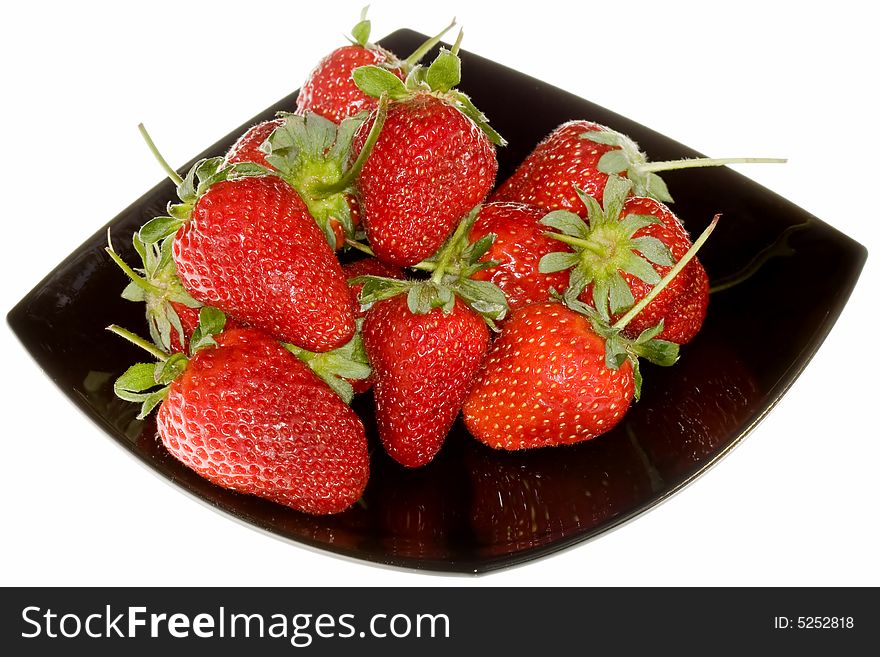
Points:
(474, 509)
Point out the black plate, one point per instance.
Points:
(474, 509)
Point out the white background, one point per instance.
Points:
(796, 504)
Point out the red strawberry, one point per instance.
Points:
(583, 154)
(249, 247)
(559, 374)
(562, 161)
(520, 243)
(433, 161)
(247, 148)
(424, 366)
(330, 90)
(246, 415)
(622, 252)
(546, 382)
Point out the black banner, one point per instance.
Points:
(516, 621)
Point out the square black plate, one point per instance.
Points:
(474, 509)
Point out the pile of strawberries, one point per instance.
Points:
(527, 308)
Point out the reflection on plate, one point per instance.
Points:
(474, 509)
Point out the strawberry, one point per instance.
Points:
(426, 345)
(330, 91)
(243, 413)
(520, 243)
(583, 154)
(546, 382)
(248, 246)
(424, 365)
(172, 314)
(621, 252)
(559, 374)
(433, 161)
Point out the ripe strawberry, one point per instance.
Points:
(424, 366)
(433, 161)
(583, 154)
(621, 252)
(546, 382)
(559, 374)
(426, 345)
(249, 247)
(520, 243)
(247, 148)
(172, 314)
(330, 91)
(246, 415)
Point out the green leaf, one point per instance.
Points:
(134, 292)
(654, 250)
(466, 106)
(620, 295)
(595, 215)
(241, 170)
(659, 352)
(614, 195)
(180, 211)
(649, 333)
(341, 387)
(473, 252)
(374, 81)
(136, 379)
(615, 352)
(158, 229)
(578, 280)
(606, 137)
(139, 247)
(601, 294)
(637, 378)
(211, 320)
(378, 288)
(613, 162)
(361, 32)
(655, 187)
(484, 297)
(640, 268)
(558, 261)
(186, 191)
(420, 298)
(567, 223)
(444, 73)
(635, 222)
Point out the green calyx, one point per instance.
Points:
(604, 247)
(336, 368)
(360, 33)
(619, 348)
(628, 160)
(148, 383)
(451, 270)
(439, 79)
(311, 153)
(157, 285)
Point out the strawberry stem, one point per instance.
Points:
(175, 177)
(671, 274)
(457, 43)
(138, 280)
(451, 249)
(139, 341)
(576, 241)
(423, 49)
(346, 181)
(699, 162)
